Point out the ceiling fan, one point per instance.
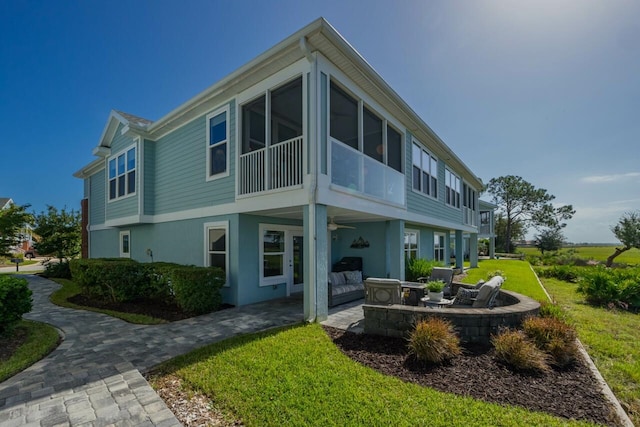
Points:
(332, 226)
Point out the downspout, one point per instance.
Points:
(313, 169)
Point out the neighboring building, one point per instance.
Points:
(257, 173)
(486, 228)
(26, 232)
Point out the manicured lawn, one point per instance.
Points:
(70, 289)
(520, 277)
(612, 339)
(40, 340)
(599, 253)
(11, 264)
(297, 376)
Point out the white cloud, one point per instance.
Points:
(598, 179)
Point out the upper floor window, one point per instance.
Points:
(377, 138)
(284, 117)
(425, 171)
(217, 143)
(122, 174)
(452, 189)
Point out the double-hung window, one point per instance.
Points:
(452, 189)
(411, 244)
(122, 174)
(425, 171)
(217, 143)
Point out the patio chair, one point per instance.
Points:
(444, 274)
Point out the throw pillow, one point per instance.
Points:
(337, 279)
(353, 277)
(465, 296)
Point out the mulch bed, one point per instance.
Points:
(11, 341)
(571, 393)
(168, 312)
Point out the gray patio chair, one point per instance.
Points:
(444, 274)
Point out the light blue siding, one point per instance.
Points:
(127, 206)
(97, 190)
(179, 172)
(323, 123)
(149, 181)
(119, 141)
(374, 262)
(123, 207)
(104, 243)
(425, 205)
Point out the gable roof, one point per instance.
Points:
(4, 202)
(318, 36)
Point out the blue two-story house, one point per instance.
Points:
(259, 173)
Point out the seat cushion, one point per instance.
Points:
(343, 289)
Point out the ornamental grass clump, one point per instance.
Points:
(434, 341)
(548, 309)
(553, 336)
(513, 348)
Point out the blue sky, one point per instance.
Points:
(547, 90)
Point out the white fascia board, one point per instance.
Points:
(90, 169)
(289, 44)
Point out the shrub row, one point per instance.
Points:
(15, 300)
(195, 290)
(543, 341)
(419, 267)
(604, 286)
(561, 272)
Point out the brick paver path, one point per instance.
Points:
(94, 377)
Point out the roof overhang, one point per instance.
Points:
(90, 169)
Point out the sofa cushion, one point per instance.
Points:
(488, 293)
(353, 277)
(465, 296)
(337, 279)
(343, 289)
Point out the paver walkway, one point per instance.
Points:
(93, 378)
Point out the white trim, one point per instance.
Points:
(274, 81)
(286, 254)
(417, 233)
(226, 110)
(121, 235)
(443, 248)
(100, 227)
(124, 220)
(139, 173)
(107, 178)
(423, 148)
(218, 225)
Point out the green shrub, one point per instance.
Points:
(599, 286)
(434, 341)
(548, 309)
(197, 289)
(59, 270)
(553, 336)
(630, 292)
(492, 274)
(110, 279)
(513, 348)
(15, 300)
(419, 267)
(561, 272)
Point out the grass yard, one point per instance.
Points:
(35, 340)
(612, 339)
(599, 253)
(70, 289)
(520, 277)
(297, 376)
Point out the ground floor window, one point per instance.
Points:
(438, 247)
(411, 238)
(273, 248)
(125, 244)
(217, 252)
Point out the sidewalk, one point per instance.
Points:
(94, 377)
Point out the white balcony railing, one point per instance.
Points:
(360, 173)
(282, 168)
(470, 216)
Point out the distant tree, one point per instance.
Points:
(627, 230)
(517, 233)
(59, 233)
(13, 220)
(550, 239)
(522, 203)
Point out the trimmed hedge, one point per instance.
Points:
(196, 290)
(15, 300)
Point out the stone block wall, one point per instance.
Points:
(474, 325)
